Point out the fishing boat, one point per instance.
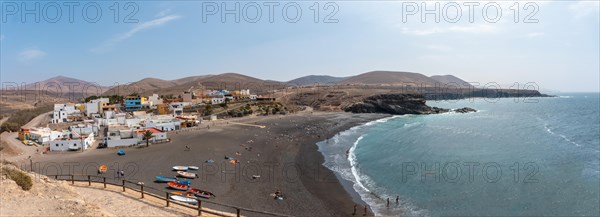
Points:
(201, 193)
(193, 167)
(177, 186)
(102, 169)
(184, 182)
(165, 179)
(187, 174)
(180, 168)
(184, 199)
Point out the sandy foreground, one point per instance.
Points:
(274, 153)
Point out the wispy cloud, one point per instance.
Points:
(534, 34)
(163, 12)
(138, 28)
(585, 8)
(30, 54)
(437, 47)
(476, 28)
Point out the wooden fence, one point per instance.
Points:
(140, 188)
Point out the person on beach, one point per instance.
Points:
(397, 199)
(354, 212)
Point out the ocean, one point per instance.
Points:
(514, 157)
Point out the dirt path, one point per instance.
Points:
(24, 152)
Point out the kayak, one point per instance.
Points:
(180, 168)
(186, 174)
(164, 179)
(177, 186)
(184, 182)
(184, 199)
(102, 169)
(201, 193)
(193, 167)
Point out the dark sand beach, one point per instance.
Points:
(283, 153)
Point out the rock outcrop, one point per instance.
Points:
(397, 104)
(465, 110)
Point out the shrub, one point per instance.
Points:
(23, 180)
(20, 118)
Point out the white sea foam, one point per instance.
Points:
(560, 135)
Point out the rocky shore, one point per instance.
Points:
(399, 104)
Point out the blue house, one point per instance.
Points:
(133, 103)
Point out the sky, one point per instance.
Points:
(552, 43)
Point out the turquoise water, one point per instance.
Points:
(510, 158)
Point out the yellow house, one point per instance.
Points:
(144, 100)
(80, 107)
(163, 109)
(24, 134)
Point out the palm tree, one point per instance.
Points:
(147, 137)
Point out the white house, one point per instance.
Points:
(157, 135)
(84, 129)
(154, 100)
(120, 136)
(68, 144)
(62, 112)
(163, 123)
(44, 135)
(217, 100)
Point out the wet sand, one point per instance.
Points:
(284, 154)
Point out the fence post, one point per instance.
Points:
(72, 179)
(56, 177)
(199, 207)
(238, 212)
(123, 185)
(89, 181)
(167, 197)
(142, 186)
(104, 181)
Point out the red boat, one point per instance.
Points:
(178, 186)
(201, 193)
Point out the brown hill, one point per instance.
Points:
(451, 80)
(164, 87)
(63, 84)
(389, 78)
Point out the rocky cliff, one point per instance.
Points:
(397, 104)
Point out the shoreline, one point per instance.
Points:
(286, 140)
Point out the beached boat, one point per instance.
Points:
(180, 168)
(102, 169)
(184, 182)
(120, 152)
(184, 199)
(177, 186)
(193, 167)
(187, 194)
(201, 193)
(187, 174)
(164, 179)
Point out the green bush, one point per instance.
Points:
(20, 118)
(23, 180)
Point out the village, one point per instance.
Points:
(115, 121)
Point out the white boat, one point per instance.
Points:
(180, 168)
(187, 174)
(193, 167)
(184, 199)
